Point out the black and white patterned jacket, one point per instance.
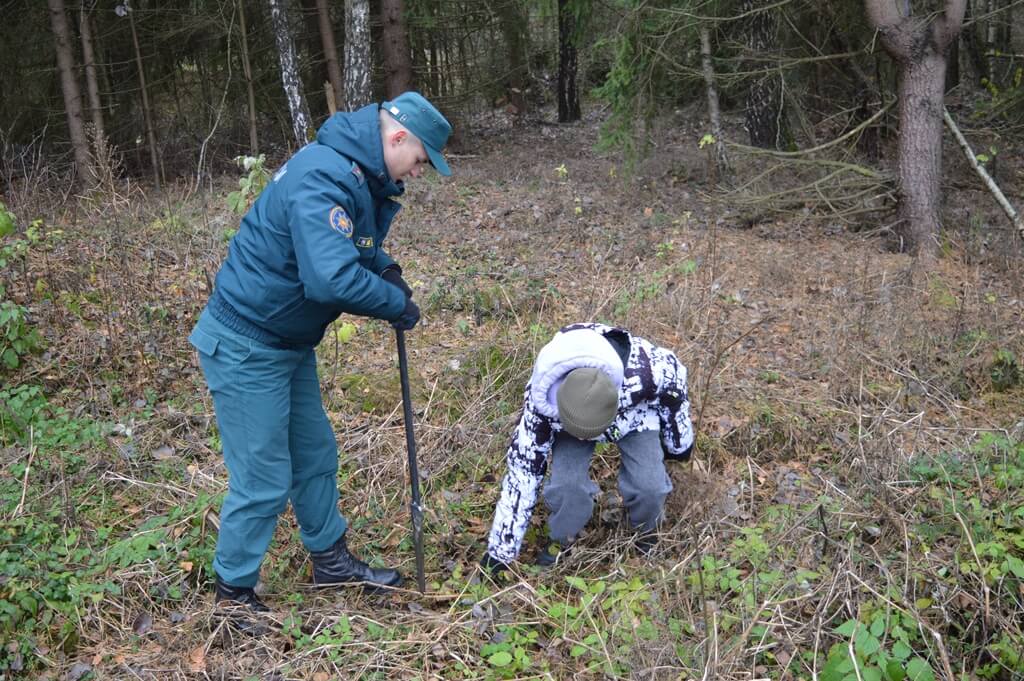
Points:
(653, 396)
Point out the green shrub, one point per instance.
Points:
(249, 185)
(17, 336)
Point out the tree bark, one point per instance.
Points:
(992, 10)
(434, 67)
(69, 89)
(330, 53)
(568, 96)
(312, 60)
(91, 79)
(513, 27)
(714, 112)
(953, 67)
(919, 45)
(357, 54)
(764, 98)
(254, 147)
(973, 44)
(397, 58)
(290, 71)
(147, 114)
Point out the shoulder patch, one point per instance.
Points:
(340, 222)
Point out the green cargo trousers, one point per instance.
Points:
(278, 446)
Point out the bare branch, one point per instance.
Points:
(1015, 217)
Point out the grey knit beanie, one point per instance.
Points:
(587, 403)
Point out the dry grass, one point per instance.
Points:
(822, 371)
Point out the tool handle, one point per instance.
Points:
(414, 475)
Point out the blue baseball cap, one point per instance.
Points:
(419, 116)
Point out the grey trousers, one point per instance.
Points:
(569, 494)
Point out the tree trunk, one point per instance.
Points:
(1007, 34)
(434, 68)
(290, 71)
(397, 59)
(69, 88)
(513, 27)
(724, 170)
(920, 151)
(953, 67)
(312, 60)
(357, 54)
(330, 53)
(254, 147)
(920, 47)
(973, 44)
(147, 115)
(91, 79)
(764, 99)
(568, 96)
(991, 25)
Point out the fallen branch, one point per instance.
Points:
(1016, 218)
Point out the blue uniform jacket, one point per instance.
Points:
(310, 247)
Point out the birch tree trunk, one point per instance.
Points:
(764, 99)
(69, 88)
(397, 58)
(254, 147)
(289, 61)
(920, 46)
(357, 54)
(568, 96)
(330, 53)
(91, 79)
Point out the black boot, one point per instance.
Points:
(646, 544)
(337, 565)
(238, 595)
(239, 604)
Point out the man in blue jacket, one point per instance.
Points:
(308, 250)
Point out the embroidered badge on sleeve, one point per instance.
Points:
(340, 222)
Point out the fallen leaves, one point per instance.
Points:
(197, 660)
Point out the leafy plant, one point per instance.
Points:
(1005, 371)
(6, 221)
(45, 583)
(508, 653)
(879, 648)
(17, 335)
(345, 331)
(249, 185)
(28, 414)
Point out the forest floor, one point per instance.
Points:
(853, 510)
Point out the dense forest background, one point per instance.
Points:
(816, 205)
(179, 90)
